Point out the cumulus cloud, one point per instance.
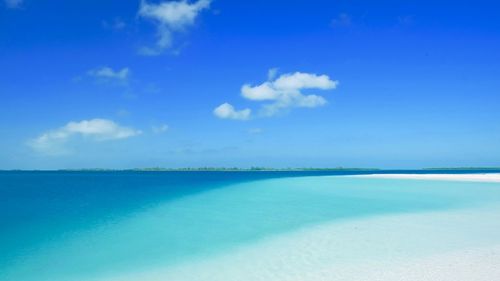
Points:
(170, 17)
(159, 129)
(227, 111)
(286, 91)
(52, 142)
(12, 4)
(279, 93)
(108, 73)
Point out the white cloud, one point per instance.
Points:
(159, 129)
(110, 74)
(280, 93)
(299, 80)
(286, 91)
(12, 4)
(170, 17)
(264, 91)
(52, 142)
(227, 111)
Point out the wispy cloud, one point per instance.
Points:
(170, 17)
(271, 73)
(53, 142)
(342, 20)
(13, 4)
(159, 129)
(122, 112)
(107, 73)
(227, 111)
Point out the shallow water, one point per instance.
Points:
(131, 226)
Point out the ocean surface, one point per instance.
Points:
(93, 226)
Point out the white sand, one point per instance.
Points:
(481, 264)
(446, 177)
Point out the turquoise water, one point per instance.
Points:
(86, 226)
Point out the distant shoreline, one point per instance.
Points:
(264, 169)
(206, 170)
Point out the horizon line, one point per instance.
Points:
(251, 169)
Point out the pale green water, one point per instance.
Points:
(207, 224)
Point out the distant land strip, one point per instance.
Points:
(266, 169)
(209, 169)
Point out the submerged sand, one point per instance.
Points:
(432, 246)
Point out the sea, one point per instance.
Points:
(211, 225)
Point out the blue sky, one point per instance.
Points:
(121, 84)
